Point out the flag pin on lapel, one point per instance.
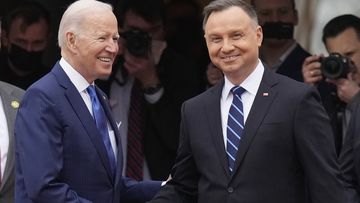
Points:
(265, 94)
(15, 104)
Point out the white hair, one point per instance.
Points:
(75, 14)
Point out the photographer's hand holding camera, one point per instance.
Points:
(337, 76)
(336, 69)
(141, 56)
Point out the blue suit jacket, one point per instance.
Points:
(60, 156)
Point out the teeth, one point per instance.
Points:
(104, 59)
(230, 57)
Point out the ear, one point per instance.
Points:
(71, 41)
(259, 35)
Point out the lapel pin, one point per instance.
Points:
(265, 94)
(15, 104)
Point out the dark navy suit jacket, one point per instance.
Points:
(60, 156)
(286, 153)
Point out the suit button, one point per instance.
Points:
(230, 190)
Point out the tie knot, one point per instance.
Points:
(91, 90)
(237, 90)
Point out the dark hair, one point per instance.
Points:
(339, 24)
(220, 5)
(150, 10)
(292, 4)
(30, 12)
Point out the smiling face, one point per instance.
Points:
(233, 40)
(95, 47)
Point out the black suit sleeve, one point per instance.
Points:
(350, 160)
(316, 150)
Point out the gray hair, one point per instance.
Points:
(221, 5)
(75, 14)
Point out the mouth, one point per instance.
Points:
(105, 59)
(228, 59)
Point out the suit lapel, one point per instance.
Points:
(263, 100)
(10, 104)
(84, 116)
(214, 118)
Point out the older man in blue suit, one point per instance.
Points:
(67, 145)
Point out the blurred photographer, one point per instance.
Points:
(337, 75)
(146, 89)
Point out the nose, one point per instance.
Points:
(112, 46)
(227, 45)
(274, 17)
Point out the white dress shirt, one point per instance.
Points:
(4, 138)
(81, 84)
(251, 85)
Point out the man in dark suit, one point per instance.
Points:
(349, 157)
(341, 35)
(281, 152)
(68, 147)
(10, 97)
(279, 50)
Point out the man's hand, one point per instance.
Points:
(346, 88)
(311, 70)
(142, 68)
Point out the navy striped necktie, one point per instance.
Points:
(235, 125)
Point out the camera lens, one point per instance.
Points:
(137, 42)
(334, 66)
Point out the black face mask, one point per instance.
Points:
(278, 30)
(25, 60)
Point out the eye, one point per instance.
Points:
(283, 11)
(215, 39)
(116, 39)
(101, 39)
(237, 36)
(265, 12)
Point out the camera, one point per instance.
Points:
(335, 66)
(137, 42)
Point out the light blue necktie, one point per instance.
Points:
(235, 125)
(101, 123)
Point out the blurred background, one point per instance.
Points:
(313, 16)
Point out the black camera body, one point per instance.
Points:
(137, 42)
(335, 66)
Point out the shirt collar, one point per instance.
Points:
(250, 84)
(75, 77)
